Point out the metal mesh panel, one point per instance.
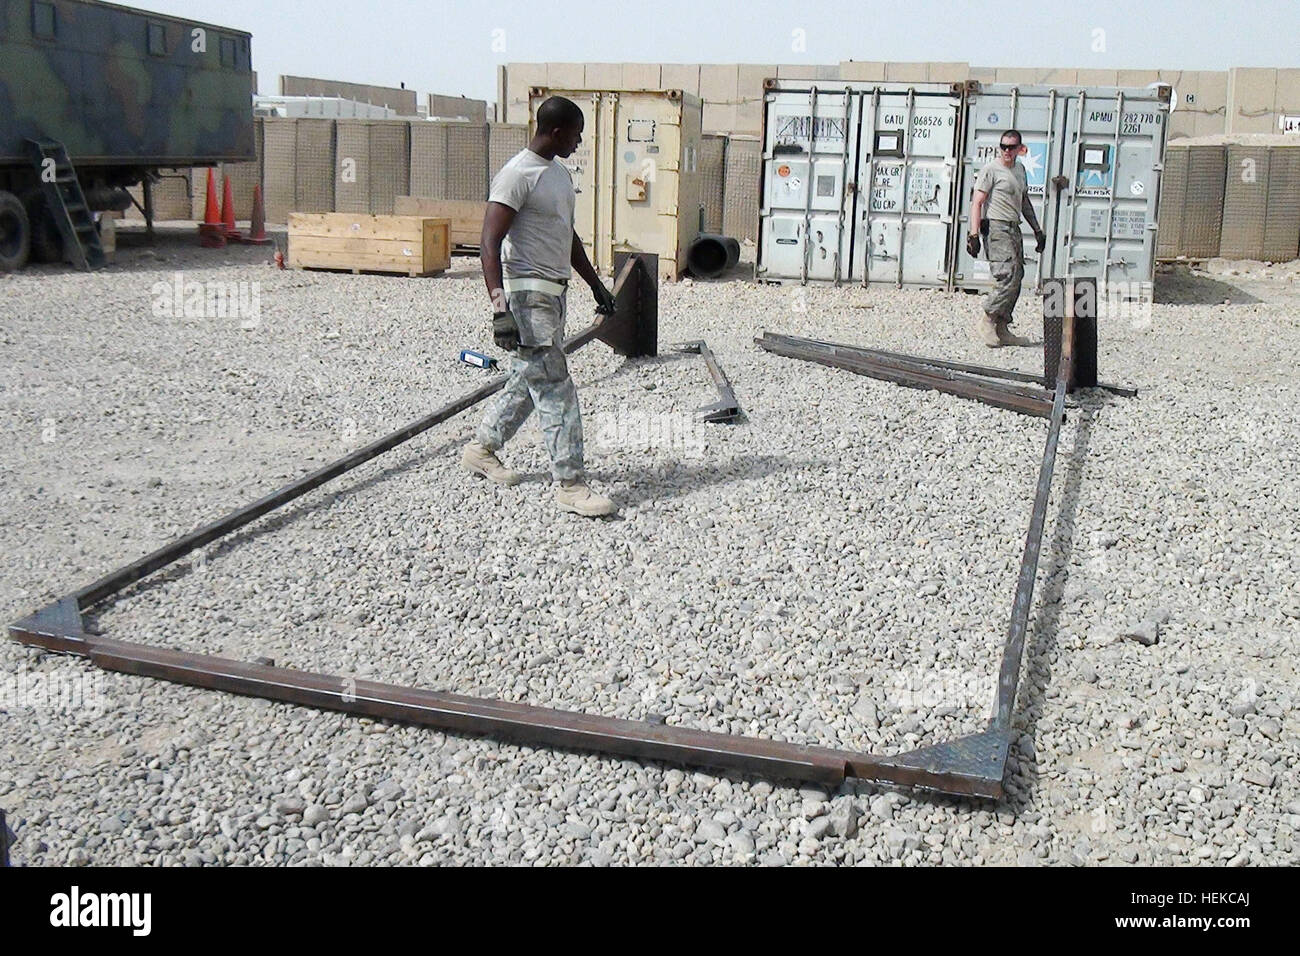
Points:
(740, 207)
(280, 146)
(1245, 202)
(315, 165)
(466, 161)
(1203, 206)
(390, 165)
(353, 170)
(429, 160)
(1173, 203)
(504, 141)
(1281, 240)
(713, 150)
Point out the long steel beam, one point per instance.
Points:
(939, 380)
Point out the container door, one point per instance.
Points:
(1109, 208)
(583, 166)
(647, 153)
(1039, 114)
(808, 137)
(905, 170)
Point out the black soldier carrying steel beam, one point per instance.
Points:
(528, 250)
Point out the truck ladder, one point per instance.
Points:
(67, 203)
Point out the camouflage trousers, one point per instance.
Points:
(539, 378)
(1006, 255)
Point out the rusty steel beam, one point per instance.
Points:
(1013, 651)
(996, 394)
(919, 368)
(726, 408)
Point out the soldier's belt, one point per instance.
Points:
(549, 286)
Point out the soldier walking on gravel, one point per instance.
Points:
(1002, 197)
(528, 249)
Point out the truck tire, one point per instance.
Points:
(47, 244)
(15, 233)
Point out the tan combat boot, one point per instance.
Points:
(1007, 337)
(480, 460)
(988, 331)
(572, 494)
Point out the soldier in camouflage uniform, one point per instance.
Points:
(1002, 196)
(528, 249)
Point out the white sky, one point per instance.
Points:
(446, 46)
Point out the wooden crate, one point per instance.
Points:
(466, 215)
(411, 245)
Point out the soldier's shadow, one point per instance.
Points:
(630, 486)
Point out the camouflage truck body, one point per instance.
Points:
(126, 91)
(122, 86)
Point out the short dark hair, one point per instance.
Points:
(557, 112)
(1020, 140)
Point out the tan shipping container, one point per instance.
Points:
(636, 173)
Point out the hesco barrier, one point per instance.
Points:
(742, 175)
(298, 168)
(871, 181)
(1191, 201)
(1261, 203)
(373, 165)
(857, 181)
(1094, 164)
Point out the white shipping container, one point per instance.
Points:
(637, 173)
(858, 182)
(1094, 164)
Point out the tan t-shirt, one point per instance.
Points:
(1006, 190)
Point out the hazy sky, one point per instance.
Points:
(446, 46)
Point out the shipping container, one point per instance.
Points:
(636, 173)
(858, 182)
(1094, 166)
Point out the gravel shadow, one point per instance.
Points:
(1185, 288)
(673, 479)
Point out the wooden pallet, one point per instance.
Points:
(409, 245)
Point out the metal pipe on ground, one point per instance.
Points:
(914, 376)
(710, 255)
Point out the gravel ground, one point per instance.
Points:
(835, 569)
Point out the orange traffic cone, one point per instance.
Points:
(228, 211)
(211, 231)
(257, 234)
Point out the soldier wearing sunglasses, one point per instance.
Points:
(1002, 198)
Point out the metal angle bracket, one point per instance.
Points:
(633, 329)
(726, 408)
(973, 765)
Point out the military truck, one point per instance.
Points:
(96, 98)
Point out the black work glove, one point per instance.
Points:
(505, 333)
(973, 245)
(604, 299)
(1041, 244)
